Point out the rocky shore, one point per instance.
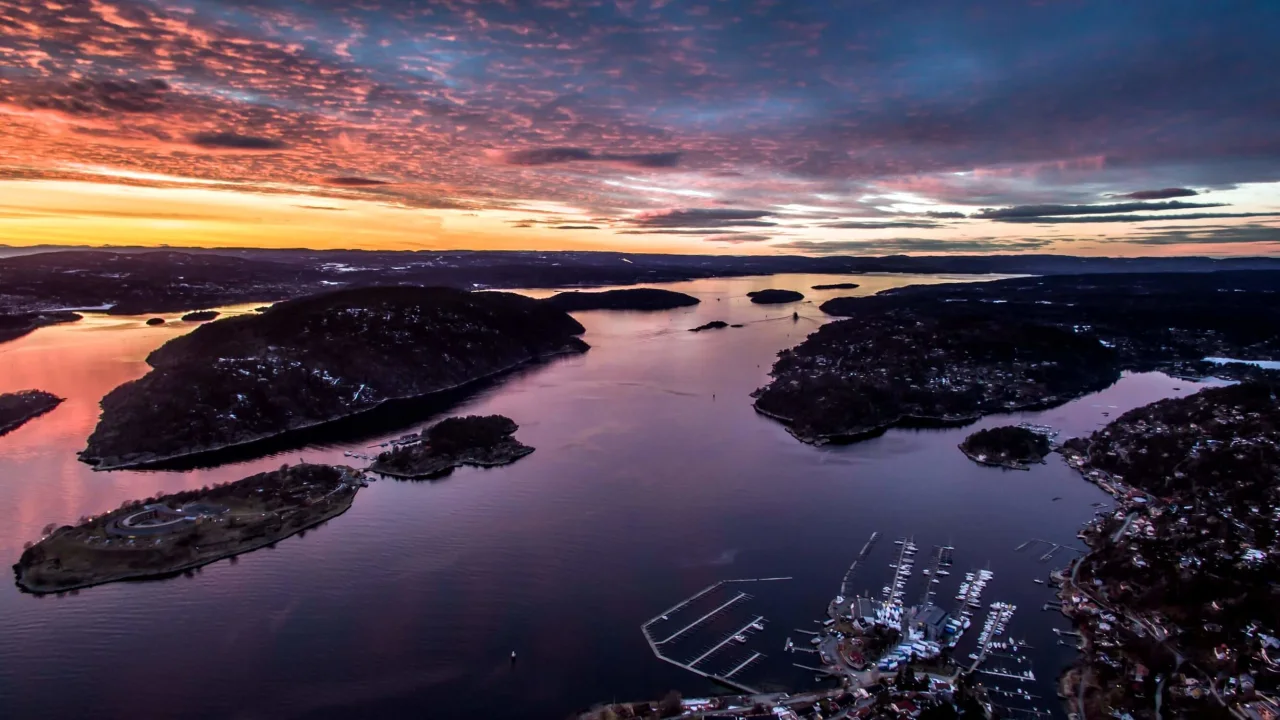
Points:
(16, 409)
(480, 441)
(624, 299)
(1008, 447)
(171, 534)
(307, 362)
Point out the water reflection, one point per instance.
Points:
(653, 477)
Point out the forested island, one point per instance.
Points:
(1007, 446)
(713, 325)
(200, 316)
(309, 361)
(1180, 581)
(837, 286)
(15, 325)
(774, 296)
(479, 440)
(948, 354)
(624, 299)
(19, 407)
(169, 534)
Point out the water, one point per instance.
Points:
(653, 478)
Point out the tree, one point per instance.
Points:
(670, 705)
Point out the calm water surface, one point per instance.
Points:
(653, 478)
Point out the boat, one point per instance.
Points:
(1038, 581)
(740, 638)
(924, 571)
(943, 573)
(757, 626)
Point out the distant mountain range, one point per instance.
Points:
(142, 280)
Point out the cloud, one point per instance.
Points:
(1031, 211)
(575, 227)
(870, 225)
(1138, 218)
(1162, 194)
(702, 218)
(353, 181)
(908, 245)
(1213, 235)
(321, 207)
(562, 155)
(944, 214)
(736, 238)
(235, 141)
(104, 97)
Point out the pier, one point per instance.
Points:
(933, 573)
(1053, 548)
(862, 555)
(660, 647)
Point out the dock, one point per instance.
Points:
(862, 556)
(1053, 548)
(727, 679)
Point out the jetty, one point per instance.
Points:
(661, 640)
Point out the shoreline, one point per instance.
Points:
(99, 465)
(15, 424)
(1006, 464)
(172, 572)
(469, 462)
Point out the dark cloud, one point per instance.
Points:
(235, 141)
(1214, 235)
(944, 214)
(1162, 194)
(1033, 211)
(702, 218)
(354, 181)
(871, 225)
(736, 238)
(561, 155)
(907, 245)
(105, 97)
(575, 227)
(321, 207)
(1138, 218)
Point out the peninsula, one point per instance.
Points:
(478, 440)
(949, 354)
(173, 533)
(624, 299)
(309, 361)
(19, 407)
(774, 296)
(15, 325)
(1175, 601)
(1007, 446)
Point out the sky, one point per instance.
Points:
(858, 127)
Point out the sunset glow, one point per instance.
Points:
(700, 127)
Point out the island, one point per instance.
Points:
(837, 286)
(166, 535)
(625, 299)
(478, 440)
(774, 296)
(313, 360)
(155, 321)
(15, 325)
(1007, 446)
(201, 316)
(1176, 598)
(945, 355)
(713, 325)
(19, 407)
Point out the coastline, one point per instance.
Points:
(177, 570)
(15, 424)
(99, 465)
(1006, 464)
(445, 469)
